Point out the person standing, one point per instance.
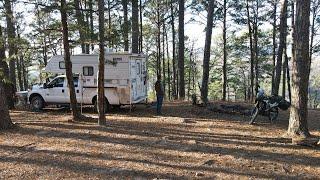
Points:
(160, 94)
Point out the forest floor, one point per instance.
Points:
(186, 142)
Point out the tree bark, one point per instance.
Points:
(256, 49)
(206, 56)
(125, 25)
(110, 36)
(189, 73)
(298, 122)
(284, 73)
(224, 66)
(101, 96)
(91, 23)
(159, 71)
(168, 65)
(181, 51)
(274, 42)
(283, 37)
(315, 8)
(135, 26)
(141, 30)
(163, 59)
(5, 120)
(174, 80)
(73, 100)
(251, 94)
(19, 69)
(5, 88)
(11, 38)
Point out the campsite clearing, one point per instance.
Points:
(186, 142)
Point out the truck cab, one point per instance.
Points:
(54, 92)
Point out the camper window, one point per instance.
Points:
(62, 65)
(88, 71)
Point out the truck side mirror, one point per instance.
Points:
(45, 86)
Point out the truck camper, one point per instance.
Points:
(125, 80)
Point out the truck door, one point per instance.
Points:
(55, 93)
(77, 89)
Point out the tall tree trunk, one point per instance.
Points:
(174, 80)
(5, 72)
(168, 64)
(298, 122)
(45, 51)
(19, 71)
(101, 96)
(274, 42)
(283, 35)
(141, 25)
(19, 63)
(158, 41)
(284, 73)
(292, 49)
(110, 37)
(251, 53)
(91, 23)
(135, 26)
(81, 26)
(181, 51)
(5, 120)
(189, 73)
(5, 90)
(163, 59)
(73, 100)
(256, 50)
(224, 66)
(206, 57)
(125, 25)
(24, 75)
(315, 8)
(288, 80)
(11, 86)
(11, 38)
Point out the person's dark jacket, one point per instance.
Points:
(159, 88)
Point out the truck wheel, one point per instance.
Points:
(107, 106)
(37, 103)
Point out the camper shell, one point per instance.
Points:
(125, 79)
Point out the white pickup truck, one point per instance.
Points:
(125, 81)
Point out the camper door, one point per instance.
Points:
(138, 75)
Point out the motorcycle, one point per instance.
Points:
(268, 106)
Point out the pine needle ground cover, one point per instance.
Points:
(186, 142)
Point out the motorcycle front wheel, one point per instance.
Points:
(273, 114)
(254, 115)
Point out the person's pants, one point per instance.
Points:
(159, 103)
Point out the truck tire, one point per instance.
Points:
(37, 103)
(107, 106)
